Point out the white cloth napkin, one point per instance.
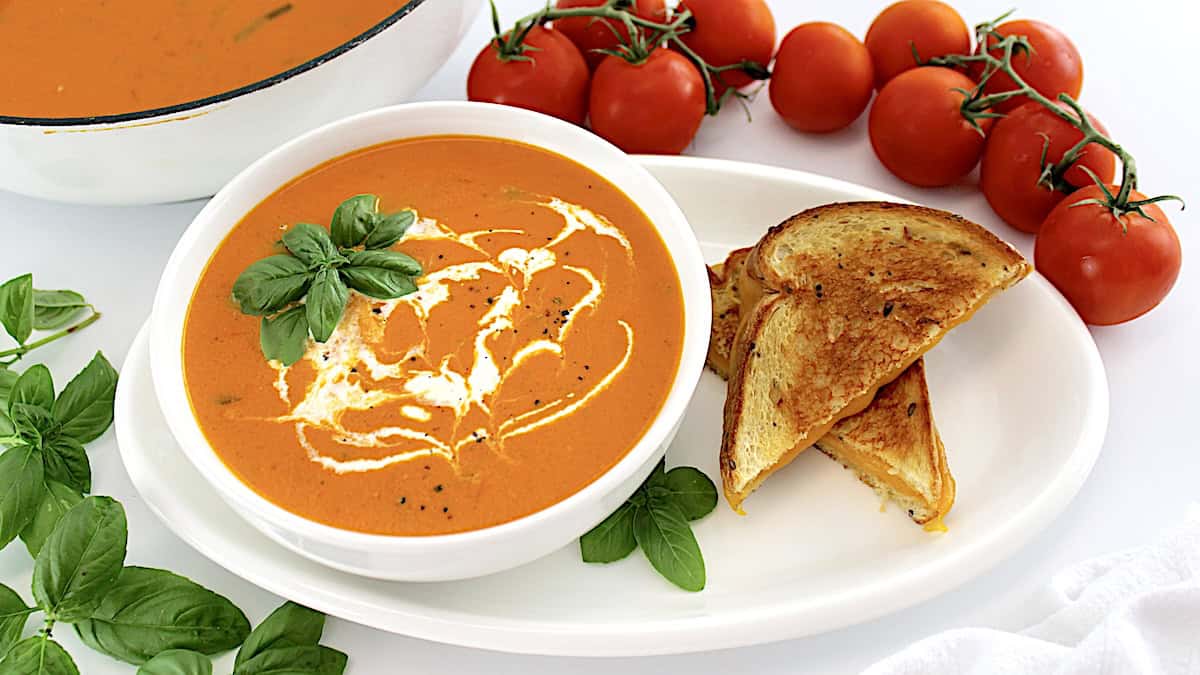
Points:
(1135, 612)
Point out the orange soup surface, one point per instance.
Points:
(540, 344)
(80, 58)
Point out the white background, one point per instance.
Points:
(1140, 80)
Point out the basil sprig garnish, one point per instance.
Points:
(304, 292)
(656, 518)
(141, 615)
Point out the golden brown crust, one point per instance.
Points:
(894, 447)
(828, 214)
(896, 428)
(734, 400)
(852, 294)
(726, 313)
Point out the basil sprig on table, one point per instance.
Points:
(46, 469)
(287, 641)
(656, 518)
(303, 292)
(289, 637)
(80, 578)
(143, 615)
(24, 309)
(137, 614)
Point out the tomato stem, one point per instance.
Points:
(644, 35)
(706, 73)
(977, 105)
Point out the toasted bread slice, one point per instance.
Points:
(836, 302)
(892, 446)
(726, 310)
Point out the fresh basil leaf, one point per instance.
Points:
(81, 559)
(177, 662)
(388, 230)
(311, 244)
(84, 409)
(353, 219)
(54, 309)
(8, 378)
(8, 430)
(148, 611)
(13, 615)
(66, 461)
(657, 475)
(667, 540)
(16, 307)
(271, 284)
(325, 303)
(290, 625)
(612, 539)
(33, 423)
(38, 655)
(284, 337)
(690, 490)
(21, 489)
(34, 386)
(391, 261)
(381, 274)
(305, 660)
(57, 499)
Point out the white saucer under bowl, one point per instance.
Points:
(1020, 398)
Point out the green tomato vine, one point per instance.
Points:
(644, 34)
(976, 106)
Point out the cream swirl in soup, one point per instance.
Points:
(540, 343)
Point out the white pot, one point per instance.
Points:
(451, 556)
(190, 150)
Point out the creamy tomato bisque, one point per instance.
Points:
(540, 344)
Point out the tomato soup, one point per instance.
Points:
(78, 58)
(541, 342)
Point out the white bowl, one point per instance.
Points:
(452, 556)
(190, 150)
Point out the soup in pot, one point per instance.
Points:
(82, 58)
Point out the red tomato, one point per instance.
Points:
(1109, 275)
(932, 27)
(589, 33)
(822, 79)
(554, 81)
(1012, 164)
(918, 131)
(731, 31)
(653, 107)
(1055, 66)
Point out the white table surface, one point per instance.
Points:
(1139, 82)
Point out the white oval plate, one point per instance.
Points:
(1020, 397)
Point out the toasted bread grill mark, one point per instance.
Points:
(895, 429)
(852, 294)
(894, 447)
